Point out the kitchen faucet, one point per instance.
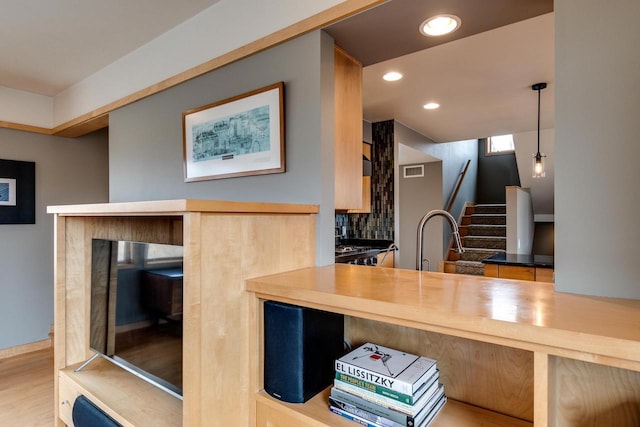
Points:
(423, 222)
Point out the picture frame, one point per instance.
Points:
(7, 192)
(238, 136)
(17, 192)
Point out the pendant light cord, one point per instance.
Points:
(538, 87)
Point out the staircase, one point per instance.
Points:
(483, 231)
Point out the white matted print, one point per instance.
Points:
(7, 192)
(239, 136)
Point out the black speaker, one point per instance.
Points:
(300, 348)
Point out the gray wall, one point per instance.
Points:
(68, 171)
(418, 196)
(146, 160)
(454, 155)
(597, 129)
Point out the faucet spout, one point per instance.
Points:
(423, 222)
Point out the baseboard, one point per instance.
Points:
(24, 348)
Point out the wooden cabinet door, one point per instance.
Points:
(520, 273)
(348, 131)
(366, 185)
(544, 275)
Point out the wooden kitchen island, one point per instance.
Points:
(509, 353)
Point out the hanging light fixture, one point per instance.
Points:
(538, 159)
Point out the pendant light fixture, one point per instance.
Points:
(538, 159)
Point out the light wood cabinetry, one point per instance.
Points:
(366, 181)
(545, 275)
(510, 272)
(366, 185)
(125, 398)
(490, 270)
(347, 131)
(509, 354)
(315, 413)
(224, 244)
(537, 274)
(67, 394)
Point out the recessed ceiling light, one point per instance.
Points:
(440, 25)
(392, 76)
(431, 106)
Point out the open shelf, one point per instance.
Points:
(527, 353)
(454, 413)
(125, 397)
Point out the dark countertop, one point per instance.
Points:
(372, 243)
(544, 261)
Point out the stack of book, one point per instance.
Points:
(381, 387)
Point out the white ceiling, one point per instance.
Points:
(482, 83)
(47, 46)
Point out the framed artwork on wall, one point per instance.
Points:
(7, 192)
(238, 136)
(17, 192)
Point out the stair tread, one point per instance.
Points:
(486, 225)
(473, 268)
(477, 263)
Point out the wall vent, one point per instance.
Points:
(414, 171)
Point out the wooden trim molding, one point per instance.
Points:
(72, 131)
(27, 128)
(99, 118)
(82, 128)
(25, 348)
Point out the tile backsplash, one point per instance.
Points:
(379, 223)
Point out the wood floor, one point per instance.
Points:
(26, 390)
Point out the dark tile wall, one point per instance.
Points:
(379, 223)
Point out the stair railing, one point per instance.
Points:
(456, 189)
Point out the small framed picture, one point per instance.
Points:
(239, 136)
(7, 192)
(17, 192)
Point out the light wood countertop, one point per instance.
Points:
(173, 207)
(519, 314)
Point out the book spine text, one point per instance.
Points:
(375, 388)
